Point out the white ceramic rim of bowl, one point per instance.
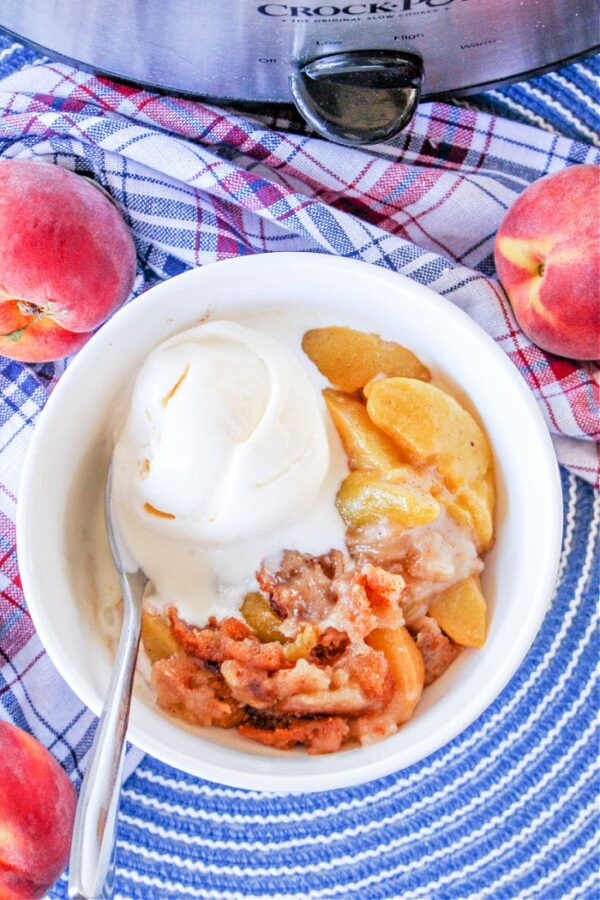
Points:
(547, 550)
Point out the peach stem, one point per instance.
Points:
(30, 309)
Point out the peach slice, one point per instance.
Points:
(157, 639)
(473, 507)
(348, 358)
(431, 427)
(366, 496)
(302, 645)
(366, 446)
(461, 612)
(406, 663)
(257, 612)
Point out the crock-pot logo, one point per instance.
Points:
(325, 11)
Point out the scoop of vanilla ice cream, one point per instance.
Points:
(224, 438)
(224, 442)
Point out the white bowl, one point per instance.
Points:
(71, 443)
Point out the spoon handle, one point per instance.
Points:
(94, 836)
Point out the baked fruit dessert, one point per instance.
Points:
(335, 648)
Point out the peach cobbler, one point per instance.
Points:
(312, 520)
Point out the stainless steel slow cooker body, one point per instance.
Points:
(354, 69)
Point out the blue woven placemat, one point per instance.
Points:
(507, 810)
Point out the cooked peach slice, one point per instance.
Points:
(479, 500)
(406, 664)
(366, 446)
(157, 639)
(301, 646)
(366, 496)
(348, 358)
(472, 507)
(461, 612)
(257, 612)
(431, 427)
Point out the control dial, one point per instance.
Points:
(360, 96)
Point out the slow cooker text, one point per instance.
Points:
(352, 9)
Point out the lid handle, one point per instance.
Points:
(360, 96)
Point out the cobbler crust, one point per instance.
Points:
(322, 685)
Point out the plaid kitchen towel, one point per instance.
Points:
(507, 809)
(198, 185)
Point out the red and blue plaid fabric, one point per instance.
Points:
(199, 185)
(515, 801)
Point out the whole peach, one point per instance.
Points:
(547, 257)
(37, 810)
(67, 260)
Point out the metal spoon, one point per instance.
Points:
(94, 837)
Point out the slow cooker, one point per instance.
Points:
(355, 70)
